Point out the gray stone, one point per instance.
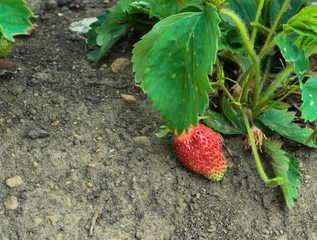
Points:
(37, 133)
(51, 4)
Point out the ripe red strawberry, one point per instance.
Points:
(201, 152)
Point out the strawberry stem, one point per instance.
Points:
(274, 26)
(250, 50)
(271, 182)
(179, 4)
(257, 17)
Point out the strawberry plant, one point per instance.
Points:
(14, 19)
(188, 50)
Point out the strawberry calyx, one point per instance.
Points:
(5, 47)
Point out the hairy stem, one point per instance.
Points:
(256, 21)
(290, 91)
(273, 86)
(266, 49)
(249, 49)
(275, 24)
(271, 182)
(259, 25)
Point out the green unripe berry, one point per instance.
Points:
(5, 47)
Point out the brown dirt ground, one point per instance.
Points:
(137, 187)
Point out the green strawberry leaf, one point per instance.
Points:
(155, 8)
(125, 4)
(280, 121)
(303, 23)
(139, 7)
(313, 137)
(217, 122)
(289, 12)
(232, 115)
(245, 9)
(239, 57)
(14, 18)
(174, 64)
(91, 34)
(284, 166)
(309, 97)
(292, 54)
(106, 31)
(143, 47)
(308, 43)
(163, 8)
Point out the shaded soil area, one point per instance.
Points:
(100, 173)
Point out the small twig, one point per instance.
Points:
(113, 86)
(93, 223)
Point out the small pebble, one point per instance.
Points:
(138, 235)
(36, 133)
(51, 4)
(90, 185)
(35, 164)
(77, 137)
(119, 64)
(99, 138)
(55, 123)
(128, 98)
(14, 182)
(141, 140)
(11, 203)
(265, 231)
(37, 222)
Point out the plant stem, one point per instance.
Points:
(273, 86)
(266, 49)
(271, 182)
(266, 71)
(245, 93)
(256, 21)
(253, 24)
(275, 23)
(249, 49)
(179, 4)
(293, 89)
(223, 88)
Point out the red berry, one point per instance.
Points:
(201, 152)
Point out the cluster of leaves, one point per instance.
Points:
(14, 18)
(184, 39)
